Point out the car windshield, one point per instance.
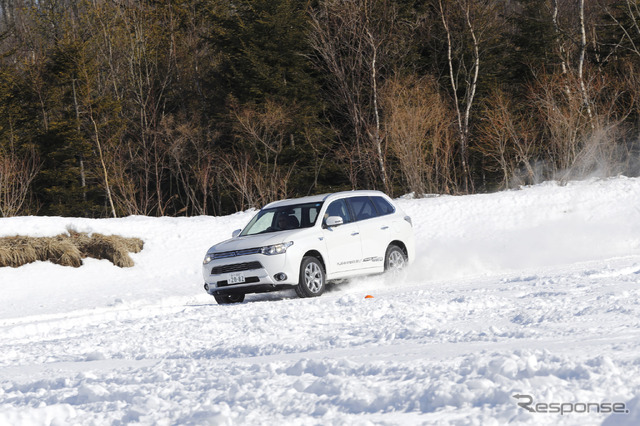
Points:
(283, 218)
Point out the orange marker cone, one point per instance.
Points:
(368, 296)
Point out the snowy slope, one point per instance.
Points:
(530, 292)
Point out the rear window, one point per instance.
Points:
(383, 206)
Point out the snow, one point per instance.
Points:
(527, 292)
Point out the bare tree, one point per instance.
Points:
(149, 72)
(579, 144)
(417, 123)
(627, 20)
(192, 163)
(239, 175)
(558, 37)
(16, 174)
(583, 49)
(508, 138)
(354, 41)
(254, 168)
(105, 173)
(471, 14)
(134, 47)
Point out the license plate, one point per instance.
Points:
(235, 278)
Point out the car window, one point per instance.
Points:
(338, 208)
(362, 208)
(313, 215)
(263, 222)
(383, 206)
(283, 219)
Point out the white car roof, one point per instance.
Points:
(324, 197)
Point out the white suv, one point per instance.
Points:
(305, 242)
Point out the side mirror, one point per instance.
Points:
(236, 233)
(334, 221)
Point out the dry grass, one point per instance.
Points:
(68, 249)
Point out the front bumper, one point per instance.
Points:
(259, 272)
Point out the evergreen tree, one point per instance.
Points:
(534, 40)
(264, 53)
(66, 184)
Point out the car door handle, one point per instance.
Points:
(384, 227)
(353, 234)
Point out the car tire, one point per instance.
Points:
(226, 299)
(312, 279)
(395, 259)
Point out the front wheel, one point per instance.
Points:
(395, 260)
(225, 299)
(311, 282)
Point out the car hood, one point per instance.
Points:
(252, 241)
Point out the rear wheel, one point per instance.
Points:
(225, 299)
(395, 260)
(312, 281)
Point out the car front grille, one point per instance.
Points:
(226, 254)
(236, 267)
(248, 280)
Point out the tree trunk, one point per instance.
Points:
(376, 137)
(583, 48)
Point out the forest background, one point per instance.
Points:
(190, 107)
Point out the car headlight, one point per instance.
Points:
(208, 258)
(276, 248)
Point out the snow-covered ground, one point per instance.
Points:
(531, 292)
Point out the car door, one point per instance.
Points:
(374, 231)
(344, 248)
